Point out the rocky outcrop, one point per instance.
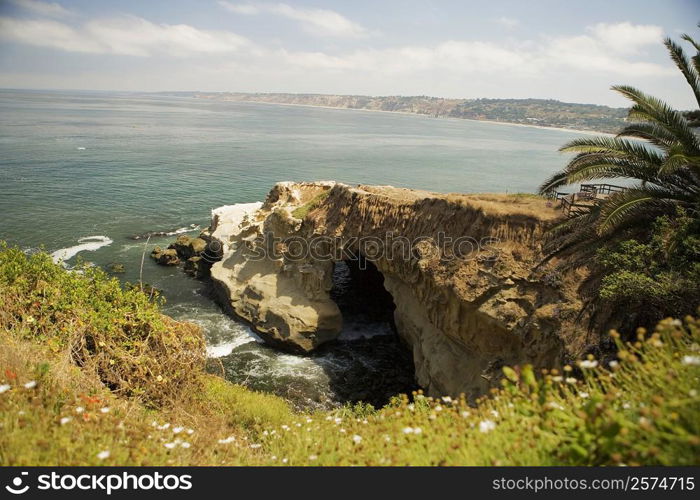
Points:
(461, 270)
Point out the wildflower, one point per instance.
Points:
(338, 420)
(273, 457)
(164, 426)
(104, 410)
(308, 420)
(342, 431)
(65, 420)
(387, 439)
(255, 445)
(4, 388)
(170, 446)
(313, 457)
(417, 430)
(584, 395)
(159, 378)
(190, 431)
(626, 406)
(32, 384)
(446, 399)
(486, 426)
(588, 363)
(178, 430)
(357, 439)
(103, 454)
(227, 440)
(693, 393)
(613, 364)
(438, 408)
(185, 444)
(677, 322)
(494, 413)
(571, 380)
(408, 430)
(285, 427)
(329, 418)
(285, 460)
(465, 414)
(691, 360)
(558, 378)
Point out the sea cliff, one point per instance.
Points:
(462, 272)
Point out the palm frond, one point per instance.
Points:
(689, 72)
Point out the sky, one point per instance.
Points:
(570, 51)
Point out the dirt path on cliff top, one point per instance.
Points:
(491, 203)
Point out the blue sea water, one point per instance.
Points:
(107, 166)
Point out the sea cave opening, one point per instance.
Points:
(373, 363)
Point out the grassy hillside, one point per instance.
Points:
(91, 373)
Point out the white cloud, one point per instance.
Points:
(321, 22)
(49, 9)
(126, 35)
(508, 22)
(626, 38)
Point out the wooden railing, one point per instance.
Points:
(590, 194)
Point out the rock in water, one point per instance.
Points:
(167, 257)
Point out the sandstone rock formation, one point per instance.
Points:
(465, 306)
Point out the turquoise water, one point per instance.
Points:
(76, 165)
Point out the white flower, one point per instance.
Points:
(693, 393)
(4, 388)
(104, 410)
(558, 378)
(227, 440)
(178, 430)
(571, 380)
(190, 431)
(170, 446)
(103, 454)
(417, 430)
(65, 420)
(588, 363)
(494, 413)
(164, 426)
(408, 430)
(285, 427)
(438, 408)
(584, 395)
(677, 322)
(691, 360)
(446, 399)
(313, 457)
(357, 438)
(308, 420)
(465, 414)
(185, 444)
(79, 409)
(486, 426)
(255, 446)
(342, 431)
(285, 460)
(30, 385)
(613, 364)
(338, 420)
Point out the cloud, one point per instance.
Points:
(48, 9)
(626, 38)
(508, 22)
(127, 35)
(320, 22)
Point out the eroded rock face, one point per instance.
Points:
(464, 316)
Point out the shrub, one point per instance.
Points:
(118, 333)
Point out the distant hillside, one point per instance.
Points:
(541, 112)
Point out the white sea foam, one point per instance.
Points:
(191, 227)
(80, 148)
(87, 244)
(221, 350)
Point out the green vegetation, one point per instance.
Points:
(62, 400)
(657, 218)
(314, 203)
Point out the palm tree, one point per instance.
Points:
(659, 154)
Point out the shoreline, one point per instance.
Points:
(408, 113)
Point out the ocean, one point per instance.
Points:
(81, 173)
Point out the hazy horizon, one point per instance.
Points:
(466, 50)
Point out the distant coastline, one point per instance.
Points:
(536, 113)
